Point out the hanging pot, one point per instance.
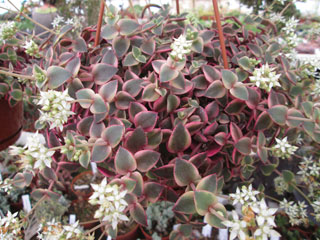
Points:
(11, 123)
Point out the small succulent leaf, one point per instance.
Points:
(185, 173)
(165, 171)
(57, 76)
(229, 78)
(108, 91)
(267, 170)
(149, 93)
(211, 73)
(113, 135)
(147, 120)
(16, 94)
(152, 191)
(120, 46)
(129, 183)
(235, 131)
(261, 139)
(167, 73)
(197, 45)
(294, 113)
(263, 154)
(154, 138)
(208, 183)
(123, 100)
(179, 140)
(84, 159)
(136, 140)
(133, 87)
(263, 122)
(130, 60)
(235, 107)
(98, 105)
(239, 91)
(149, 46)
(73, 66)
(80, 45)
(278, 114)
(179, 82)
(173, 103)
(146, 159)
(185, 204)
(307, 108)
(128, 26)
(124, 161)
(138, 214)
(214, 221)
(216, 90)
(138, 190)
(85, 97)
(204, 200)
(288, 176)
(100, 151)
(109, 32)
(243, 145)
(102, 73)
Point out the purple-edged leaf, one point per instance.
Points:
(109, 32)
(100, 151)
(152, 191)
(120, 46)
(149, 46)
(86, 97)
(147, 120)
(128, 26)
(57, 76)
(102, 73)
(80, 45)
(240, 91)
(179, 140)
(108, 91)
(173, 102)
(98, 105)
(185, 173)
(37, 194)
(74, 66)
(185, 204)
(129, 60)
(209, 183)
(136, 140)
(216, 90)
(200, 82)
(197, 45)
(235, 107)
(149, 94)
(294, 113)
(221, 138)
(124, 161)
(235, 131)
(212, 110)
(278, 114)
(263, 154)
(165, 171)
(139, 215)
(139, 183)
(146, 159)
(113, 135)
(154, 138)
(263, 122)
(211, 73)
(96, 129)
(214, 220)
(123, 100)
(255, 49)
(134, 109)
(167, 73)
(179, 82)
(198, 159)
(244, 145)
(261, 141)
(203, 201)
(22, 180)
(84, 159)
(105, 172)
(229, 79)
(194, 127)
(133, 87)
(254, 98)
(110, 58)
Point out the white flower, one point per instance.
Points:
(283, 149)
(7, 30)
(50, 231)
(291, 25)
(32, 48)
(265, 214)
(111, 201)
(238, 228)
(69, 21)
(265, 232)
(57, 21)
(297, 213)
(180, 47)
(10, 227)
(55, 109)
(246, 196)
(265, 78)
(73, 231)
(34, 154)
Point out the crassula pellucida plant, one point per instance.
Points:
(154, 107)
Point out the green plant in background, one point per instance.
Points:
(160, 217)
(50, 209)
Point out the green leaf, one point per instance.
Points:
(216, 90)
(229, 79)
(100, 151)
(287, 175)
(240, 91)
(197, 45)
(203, 201)
(108, 91)
(128, 26)
(214, 221)
(57, 76)
(142, 59)
(244, 146)
(263, 122)
(146, 119)
(152, 191)
(108, 32)
(136, 52)
(102, 73)
(167, 73)
(244, 63)
(121, 46)
(149, 46)
(185, 204)
(16, 94)
(307, 108)
(179, 140)
(124, 161)
(185, 173)
(208, 183)
(98, 106)
(278, 114)
(267, 170)
(85, 159)
(87, 95)
(130, 60)
(146, 159)
(138, 214)
(113, 135)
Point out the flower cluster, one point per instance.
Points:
(180, 47)
(309, 168)
(55, 109)
(34, 154)
(265, 78)
(280, 185)
(290, 37)
(75, 21)
(297, 212)
(111, 201)
(7, 30)
(258, 219)
(10, 227)
(283, 149)
(56, 231)
(32, 49)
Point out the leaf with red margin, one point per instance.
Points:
(179, 140)
(152, 191)
(146, 159)
(146, 119)
(185, 173)
(185, 204)
(124, 161)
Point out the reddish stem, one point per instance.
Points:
(177, 6)
(99, 23)
(221, 37)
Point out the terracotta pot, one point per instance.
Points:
(132, 234)
(84, 194)
(11, 123)
(148, 237)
